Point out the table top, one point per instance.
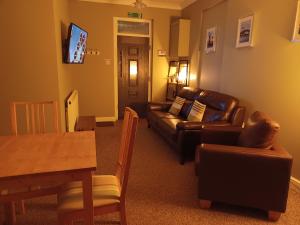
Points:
(47, 153)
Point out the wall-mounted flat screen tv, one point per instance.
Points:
(76, 44)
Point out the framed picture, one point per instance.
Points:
(296, 34)
(211, 40)
(245, 31)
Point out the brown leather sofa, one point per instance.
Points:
(244, 166)
(183, 135)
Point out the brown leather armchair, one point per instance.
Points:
(244, 166)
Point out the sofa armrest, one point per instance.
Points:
(238, 116)
(159, 106)
(224, 135)
(189, 125)
(252, 177)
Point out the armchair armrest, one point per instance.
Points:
(159, 106)
(252, 177)
(276, 153)
(189, 125)
(224, 135)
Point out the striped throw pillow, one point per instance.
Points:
(176, 106)
(197, 112)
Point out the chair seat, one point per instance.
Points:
(106, 191)
(98, 180)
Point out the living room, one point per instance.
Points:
(32, 69)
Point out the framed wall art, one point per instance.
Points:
(245, 32)
(296, 33)
(211, 40)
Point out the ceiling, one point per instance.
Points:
(167, 4)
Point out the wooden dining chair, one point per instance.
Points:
(36, 115)
(108, 190)
(33, 118)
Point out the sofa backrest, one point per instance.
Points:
(189, 93)
(219, 107)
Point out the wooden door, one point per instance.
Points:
(133, 74)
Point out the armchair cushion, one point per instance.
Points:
(259, 131)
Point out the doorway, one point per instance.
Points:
(133, 74)
(132, 50)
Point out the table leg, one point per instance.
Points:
(88, 198)
(10, 213)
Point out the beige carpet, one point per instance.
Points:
(160, 192)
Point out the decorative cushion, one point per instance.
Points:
(259, 132)
(197, 112)
(176, 106)
(186, 108)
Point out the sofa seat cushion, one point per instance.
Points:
(168, 127)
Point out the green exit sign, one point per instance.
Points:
(134, 15)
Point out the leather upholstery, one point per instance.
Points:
(259, 131)
(252, 177)
(185, 135)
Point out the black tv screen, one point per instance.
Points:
(76, 44)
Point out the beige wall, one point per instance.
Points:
(194, 13)
(265, 77)
(94, 80)
(210, 64)
(65, 85)
(27, 56)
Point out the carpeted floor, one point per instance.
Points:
(160, 191)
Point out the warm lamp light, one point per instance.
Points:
(173, 71)
(133, 68)
(193, 76)
(182, 76)
(183, 72)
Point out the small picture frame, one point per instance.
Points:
(245, 32)
(211, 40)
(296, 33)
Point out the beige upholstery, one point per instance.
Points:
(106, 191)
(71, 199)
(98, 180)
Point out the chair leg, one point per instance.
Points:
(273, 215)
(21, 207)
(204, 204)
(10, 213)
(123, 214)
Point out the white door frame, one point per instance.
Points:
(116, 34)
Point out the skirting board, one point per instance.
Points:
(295, 181)
(106, 119)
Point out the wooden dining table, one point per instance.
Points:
(45, 160)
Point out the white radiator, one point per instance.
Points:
(72, 111)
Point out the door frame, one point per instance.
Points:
(116, 34)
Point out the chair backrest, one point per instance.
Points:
(126, 148)
(35, 115)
